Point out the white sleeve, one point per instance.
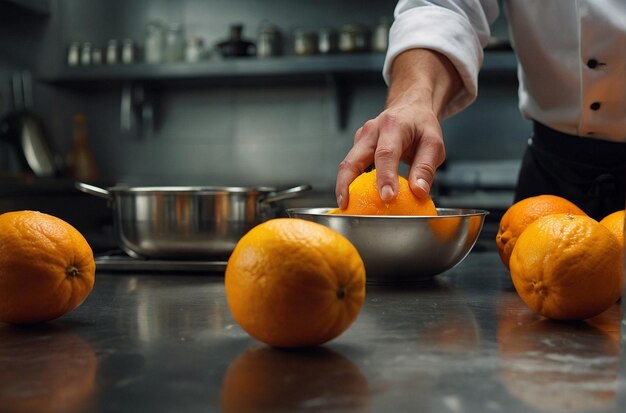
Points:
(459, 29)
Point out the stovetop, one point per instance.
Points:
(119, 261)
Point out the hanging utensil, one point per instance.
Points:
(24, 131)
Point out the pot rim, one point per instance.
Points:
(266, 194)
(199, 190)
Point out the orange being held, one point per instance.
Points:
(364, 199)
(294, 283)
(567, 267)
(523, 213)
(46, 267)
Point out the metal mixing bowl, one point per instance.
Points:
(400, 249)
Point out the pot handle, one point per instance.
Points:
(285, 194)
(94, 190)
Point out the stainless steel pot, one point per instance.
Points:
(173, 222)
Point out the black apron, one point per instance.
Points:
(589, 172)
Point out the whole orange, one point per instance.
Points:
(294, 283)
(523, 213)
(46, 267)
(615, 223)
(567, 267)
(364, 199)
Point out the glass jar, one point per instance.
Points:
(327, 41)
(73, 54)
(128, 51)
(96, 56)
(175, 43)
(154, 43)
(380, 39)
(353, 38)
(85, 54)
(194, 51)
(304, 42)
(269, 42)
(112, 52)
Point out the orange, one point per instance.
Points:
(567, 267)
(451, 229)
(364, 199)
(46, 267)
(523, 213)
(264, 379)
(475, 225)
(615, 223)
(294, 283)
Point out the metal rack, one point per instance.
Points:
(339, 72)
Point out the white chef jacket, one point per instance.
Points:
(571, 54)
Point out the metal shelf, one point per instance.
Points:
(305, 67)
(223, 69)
(339, 72)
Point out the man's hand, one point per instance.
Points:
(408, 130)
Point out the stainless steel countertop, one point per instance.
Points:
(166, 343)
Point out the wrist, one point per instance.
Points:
(423, 77)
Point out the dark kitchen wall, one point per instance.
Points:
(243, 132)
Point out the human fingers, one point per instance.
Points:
(392, 141)
(428, 158)
(360, 156)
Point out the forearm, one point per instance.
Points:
(423, 78)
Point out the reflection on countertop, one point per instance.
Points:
(46, 368)
(164, 342)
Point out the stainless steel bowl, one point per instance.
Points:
(399, 249)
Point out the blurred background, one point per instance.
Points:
(220, 92)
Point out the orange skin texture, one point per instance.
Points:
(365, 200)
(46, 267)
(567, 267)
(523, 213)
(615, 223)
(294, 283)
